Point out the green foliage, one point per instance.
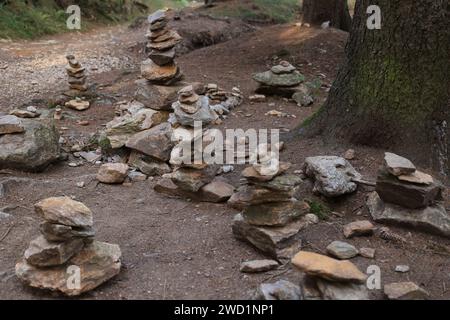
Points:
(319, 209)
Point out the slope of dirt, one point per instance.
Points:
(173, 249)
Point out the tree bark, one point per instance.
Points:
(393, 90)
(315, 12)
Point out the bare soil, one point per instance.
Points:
(173, 249)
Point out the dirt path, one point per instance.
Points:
(173, 249)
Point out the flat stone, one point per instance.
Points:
(91, 156)
(158, 25)
(405, 291)
(283, 69)
(398, 165)
(97, 263)
(402, 268)
(152, 72)
(257, 266)
(358, 228)
(10, 124)
(333, 175)
(112, 173)
(283, 183)
(433, 219)
(367, 253)
(78, 105)
(155, 142)
(156, 97)
(60, 233)
(342, 291)
(157, 16)
(406, 194)
(342, 250)
(147, 165)
(42, 253)
(252, 175)
(204, 114)
(257, 98)
(271, 79)
(280, 290)
(275, 214)
(252, 195)
(276, 242)
(327, 268)
(418, 177)
(192, 179)
(167, 44)
(217, 191)
(63, 210)
(161, 58)
(20, 113)
(136, 176)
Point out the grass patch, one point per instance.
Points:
(22, 19)
(319, 209)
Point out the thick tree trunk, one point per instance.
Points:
(394, 88)
(315, 12)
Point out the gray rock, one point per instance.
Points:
(136, 176)
(275, 242)
(155, 142)
(157, 16)
(433, 219)
(98, 262)
(342, 291)
(271, 79)
(405, 291)
(276, 214)
(367, 253)
(42, 253)
(10, 124)
(193, 179)
(91, 156)
(402, 268)
(32, 151)
(406, 194)
(257, 266)
(398, 165)
(342, 250)
(280, 290)
(156, 97)
(59, 233)
(333, 175)
(162, 58)
(147, 165)
(204, 114)
(252, 195)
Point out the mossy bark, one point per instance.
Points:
(393, 90)
(316, 12)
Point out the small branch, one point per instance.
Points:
(6, 233)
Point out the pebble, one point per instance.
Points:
(367, 253)
(402, 268)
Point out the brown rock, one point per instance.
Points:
(397, 165)
(405, 291)
(63, 210)
(257, 266)
(161, 58)
(327, 268)
(248, 195)
(112, 173)
(358, 228)
(418, 177)
(192, 179)
(152, 72)
(275, 214)
(10, 124)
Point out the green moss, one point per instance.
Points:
(319, 209)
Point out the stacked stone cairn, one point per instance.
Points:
(77, 76)
(284, 80)
(271, 218)
(160, 67)
(67, 247)
(407, 196)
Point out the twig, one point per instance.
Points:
(6, 233)
(276, 275)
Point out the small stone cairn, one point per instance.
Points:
(77, 76)
(271, 217)
(407, 196)
(66, 246)
(160, 67)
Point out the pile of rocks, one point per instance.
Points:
(407, 196)
(77, 76)
(67, 247)
(284, 80)
(27, 144)
(161, 68)
(271, 217)
(328, 279)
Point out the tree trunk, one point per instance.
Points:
(393, 90)
(315, 12)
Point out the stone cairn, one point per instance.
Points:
(284, 80)
(160, 67)
(77, 76)
(67, 246)
(271, 217)
(407, 196)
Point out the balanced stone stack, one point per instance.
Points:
(284, 80)
(328, 279)
(222, 102)
(407, 196)
(77, 76)
(271, 217)
(161, 68)
(67, 248)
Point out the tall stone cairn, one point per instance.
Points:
(76, 73)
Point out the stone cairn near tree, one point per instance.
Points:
(65, 248)
(284, 80)
(407, 196)
(271, 218)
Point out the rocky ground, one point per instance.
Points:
(173, 249)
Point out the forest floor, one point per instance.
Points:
(173, 249)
